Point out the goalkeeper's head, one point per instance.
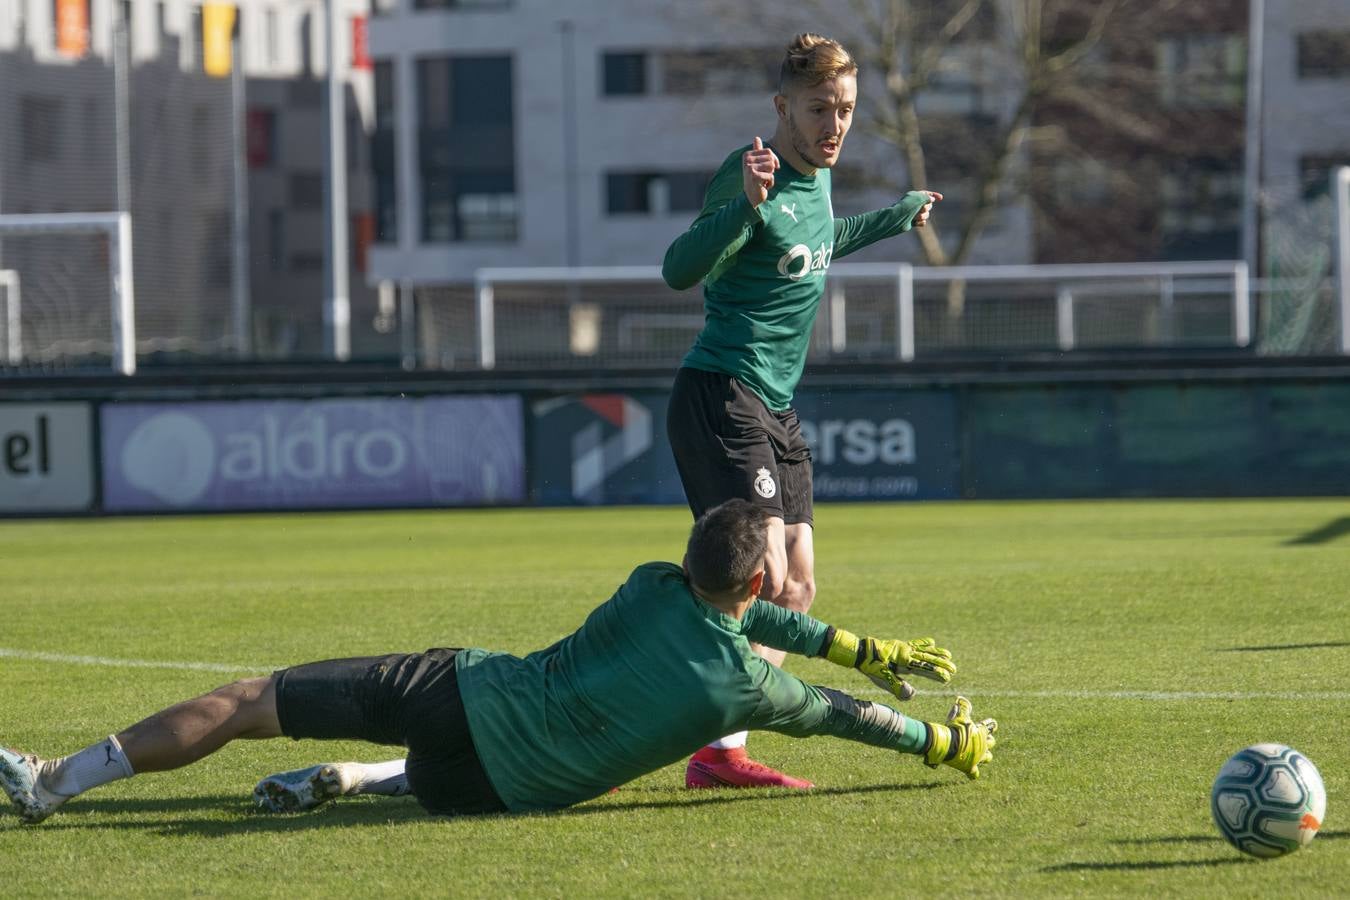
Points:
(725, 554)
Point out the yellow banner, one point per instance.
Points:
(217, 34)
(72, 27)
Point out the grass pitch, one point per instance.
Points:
(1127, 649)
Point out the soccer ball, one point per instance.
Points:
(1268, 800)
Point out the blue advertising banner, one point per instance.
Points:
(866, 445)
(881, 445)
(603, 449)
(299, 454)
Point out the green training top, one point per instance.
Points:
(652, 675)
(763, 271)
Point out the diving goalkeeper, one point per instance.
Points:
(653, 673)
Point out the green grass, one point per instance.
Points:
(1054, 611)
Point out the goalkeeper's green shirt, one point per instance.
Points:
(763, 271)
(652, 675)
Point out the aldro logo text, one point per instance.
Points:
(800, 261)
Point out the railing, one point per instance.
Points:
(625, 315)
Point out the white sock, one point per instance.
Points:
(94, 765)
(731, 741)
(386, 778)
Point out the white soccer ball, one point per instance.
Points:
(1268, 800)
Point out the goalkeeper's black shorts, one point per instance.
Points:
(407, 698)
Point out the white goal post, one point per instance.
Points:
(116, 226)
(891, 302)
(11, 293)
(1340, 192)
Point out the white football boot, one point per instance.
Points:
(21, 778)
(304, 789)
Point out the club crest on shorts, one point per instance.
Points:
(764, 485)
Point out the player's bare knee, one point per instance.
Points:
(796, 594)
(255, 706)
(774, 585)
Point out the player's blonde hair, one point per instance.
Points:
(812, 59)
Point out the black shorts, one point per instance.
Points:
(729, 445)
(406, 698)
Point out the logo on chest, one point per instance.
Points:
(801, 261)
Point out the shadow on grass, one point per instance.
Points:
(1148, 864)
(1283, 647)
(1329, 532)
(233, 815)
(1216, 839)
(1173, 864)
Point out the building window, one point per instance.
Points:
(261, 138)
(1202, 71)
(40, 124)
(382, 161)
(1315, 174)
(654, 193)
(1202, 211)
(751, 70)
(466, 148)
(1324, 54)
(625, 74)
(306, 191)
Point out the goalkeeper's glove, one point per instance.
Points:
(886, 662)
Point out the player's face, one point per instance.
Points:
(818, 117)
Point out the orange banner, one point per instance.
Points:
(217, 38)
(72, 27)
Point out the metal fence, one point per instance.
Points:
(626, 317)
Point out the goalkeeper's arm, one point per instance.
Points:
(888, 662)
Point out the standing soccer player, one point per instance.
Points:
(761, 246)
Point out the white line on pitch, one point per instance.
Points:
(974, 692)
(1135, 695)
(129, 663)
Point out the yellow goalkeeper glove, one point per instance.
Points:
(886, 662)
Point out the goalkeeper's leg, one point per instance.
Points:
(171, 738)
(305, 789)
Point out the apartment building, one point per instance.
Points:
(532, 133)
(58, 153)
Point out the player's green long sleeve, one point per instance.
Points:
(726, 223)
(855, 232)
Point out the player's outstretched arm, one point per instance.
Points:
(795, 708)
(727, 221)
(887, 662)
(855, 232)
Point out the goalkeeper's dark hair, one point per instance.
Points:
(726, 547)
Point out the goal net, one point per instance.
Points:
(67, 290)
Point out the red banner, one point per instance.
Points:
(360, 44)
